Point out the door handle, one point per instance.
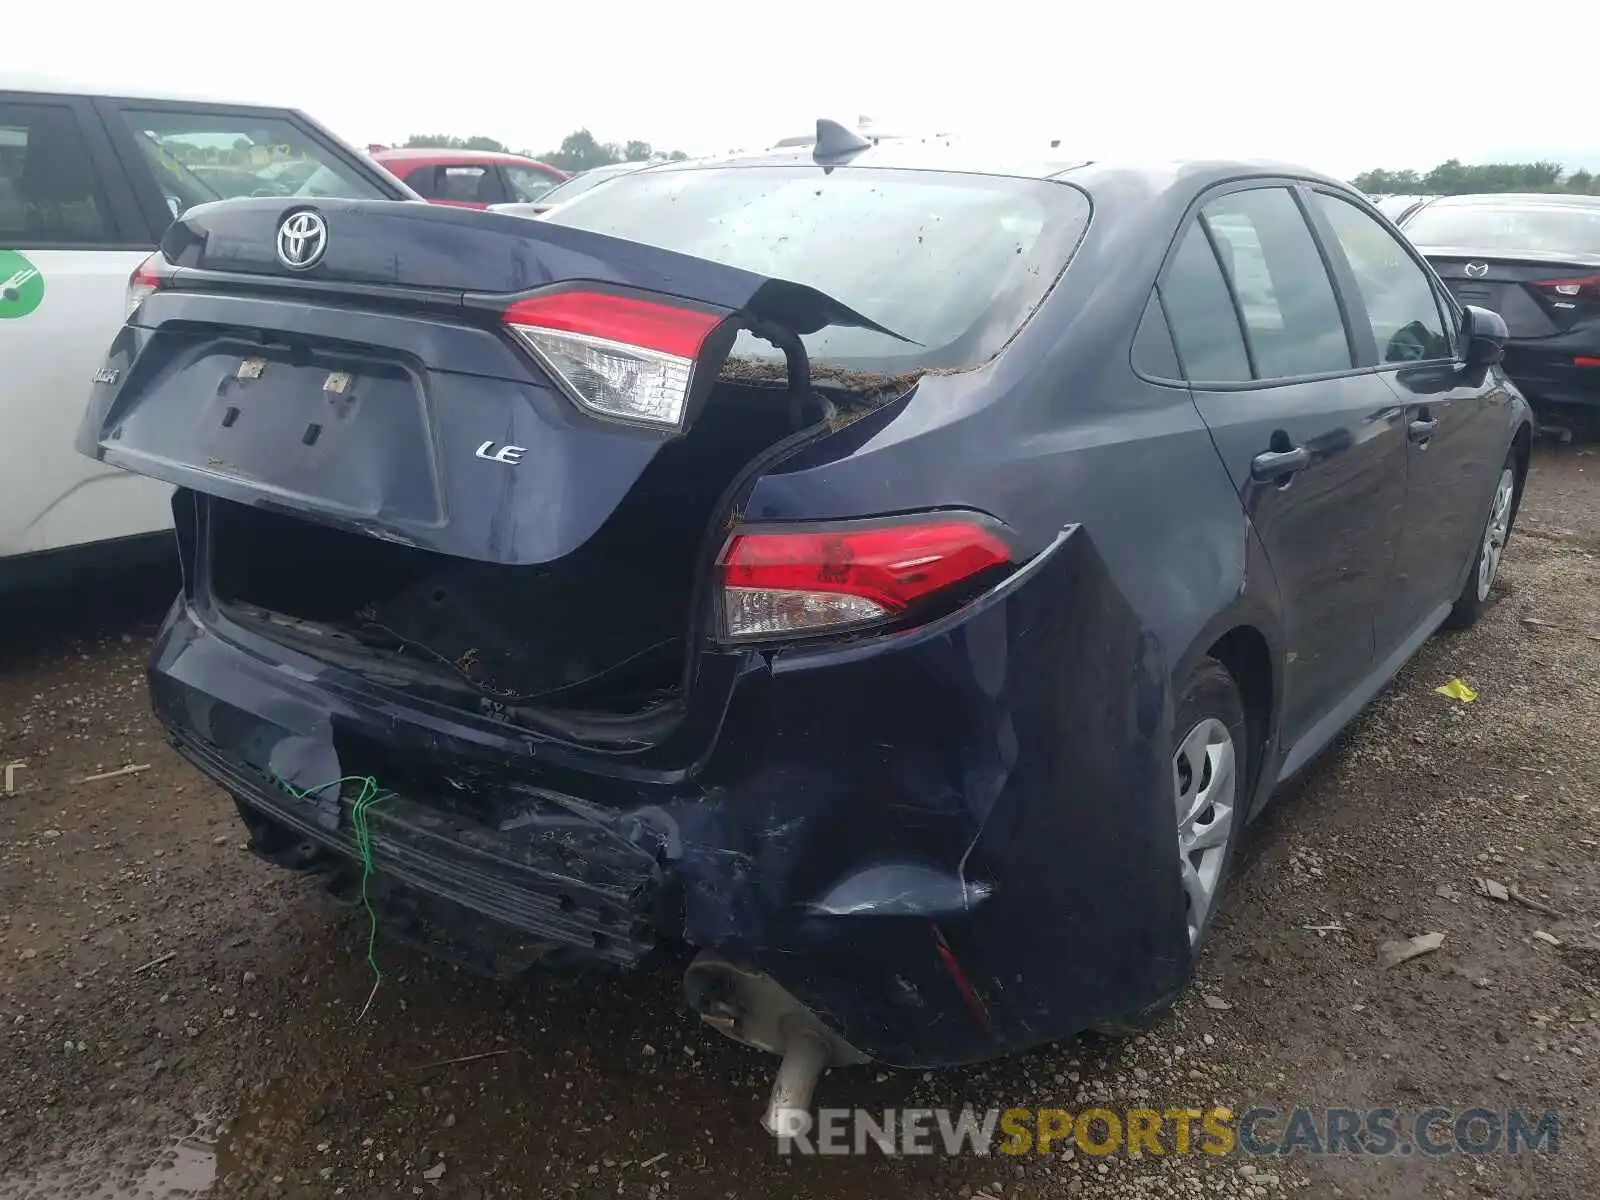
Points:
(1422, 428)
(1279, 464)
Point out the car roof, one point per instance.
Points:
(447, 155)
(1019, 160)
(1489, 199)
(59, 85)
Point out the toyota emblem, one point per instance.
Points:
(302, 240)
(1477, 270)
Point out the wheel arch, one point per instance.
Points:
(1247, 642)
(1522, 450)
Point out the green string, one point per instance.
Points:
(369, 795)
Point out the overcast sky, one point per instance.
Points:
(1341, 86)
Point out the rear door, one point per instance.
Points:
(1313, 439)
(70, 235)
(1457, 422)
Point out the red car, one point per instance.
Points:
(469, 178)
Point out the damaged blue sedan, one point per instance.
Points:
(894, 574)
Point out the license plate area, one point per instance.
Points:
(344, 430)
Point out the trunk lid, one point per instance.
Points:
(1509, 285)
(378, 388)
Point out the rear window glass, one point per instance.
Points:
(956, 263)
(199, 157)
(579, 184)
(48, 191)
(1548, 227)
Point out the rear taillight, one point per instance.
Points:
(620, 356)
(1586, 287)
(147, 277)
(778, 582)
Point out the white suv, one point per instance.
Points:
(88, 183)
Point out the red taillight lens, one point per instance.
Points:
(817, 580)
(620, 356)
(147, 277)
(1585, 287)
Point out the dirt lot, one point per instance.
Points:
(177, 1018)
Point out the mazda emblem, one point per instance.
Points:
(302, 240)
(1477, 270)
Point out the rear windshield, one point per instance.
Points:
(1547, 227)
(579, 184)
(954, 262)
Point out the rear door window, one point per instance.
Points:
(1286, 298)
(1400, 301)
(1201, 313)
(464, 183)
(528, 184)
(50, 191)
(198, 157)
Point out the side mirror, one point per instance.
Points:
(1483, 337)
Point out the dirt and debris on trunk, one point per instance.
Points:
(863, 390)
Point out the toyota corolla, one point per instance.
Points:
(896, 574)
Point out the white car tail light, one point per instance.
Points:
(147, 277)
(817, 580)
(620, 356)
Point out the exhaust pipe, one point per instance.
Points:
(753, 1008)
(805, 1058)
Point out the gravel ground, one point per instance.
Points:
(177, 1018)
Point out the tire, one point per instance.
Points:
(1208, 713)
(1496, 532)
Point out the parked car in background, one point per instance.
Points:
(1535, 260)
(88, 181)
(469, 178)
(574, 187)
(907, 613)
(1396, 207)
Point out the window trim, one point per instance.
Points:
(124, 224)
(1190, 214)
(1449, 318)
(1203, 223)
(1155, 304)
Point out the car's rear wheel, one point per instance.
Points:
(1474, 595)
(1209, 796)
(1210, 769)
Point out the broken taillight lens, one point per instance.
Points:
(147, 277)
(818, 580)
(619, 356)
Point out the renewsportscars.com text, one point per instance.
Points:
(1137, 1132)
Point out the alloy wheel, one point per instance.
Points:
(1205, 784)
(1495, 532)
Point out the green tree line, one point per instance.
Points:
(1455, 178)
(578, 151)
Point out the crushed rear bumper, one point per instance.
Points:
(491, 901)
(948, 845)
